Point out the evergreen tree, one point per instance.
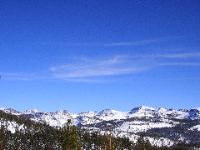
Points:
(71, 137)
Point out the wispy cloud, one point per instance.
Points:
(115, 43)
(177, 59)
(137, 43)
(93, 69)
(117, 65)
(171, 56)
(85, 68)
(180, 55)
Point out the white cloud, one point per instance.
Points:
(115, 43)
(91, 67)
(141, 42)
(171, 56)
(84, 68)
(133, 43)
(180, 55)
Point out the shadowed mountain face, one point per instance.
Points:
(169, 126)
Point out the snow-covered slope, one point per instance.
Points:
(59, 118)
(109, 114)
(195, 128)
(11, 111)
(129, 124)
(142, 111)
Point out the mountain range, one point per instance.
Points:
(160, 126)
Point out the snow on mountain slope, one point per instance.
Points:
(160, 141)
(59, 118)
(195, 128)
(30, 111)
(55, 119)
(123, 124)
(88, 114)
(109, 114)
(142, 111)
(10, 111)
(178, 114)
(86, 118)
(11, 126)
(194, 114)
(141, 126)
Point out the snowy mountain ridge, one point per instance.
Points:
(167, 124)
(60, 117)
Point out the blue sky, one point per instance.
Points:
(84, 55)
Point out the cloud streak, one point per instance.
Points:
(117, 65)
(137, 43)
(115, 43)
(93, 69)
(180, 55)
(171, 56)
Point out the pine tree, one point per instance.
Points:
(71, 137)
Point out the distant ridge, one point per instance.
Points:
(183, 124)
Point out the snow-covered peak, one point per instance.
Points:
(124, 124)
(60, 117)
(110, 114)
(195, 110)
(106, 112)
(88, 114)
(10, 111)
(62, 111)
(31, 111)
(162, 110)
(194, 113)
(2, 108)
(146, 108)
(141, 109)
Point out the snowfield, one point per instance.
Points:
(141, 126)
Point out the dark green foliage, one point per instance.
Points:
(31, 137)
(71, 138)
